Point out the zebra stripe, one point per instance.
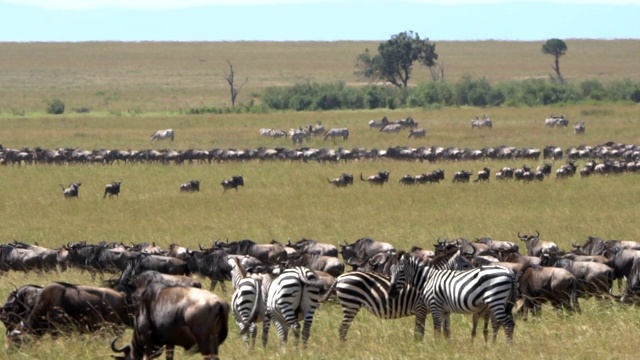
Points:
(292, 296)
(487, 292)
(358, 289)
(247, 302)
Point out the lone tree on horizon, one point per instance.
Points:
(233, 88)
(395, 59)
(557, 48)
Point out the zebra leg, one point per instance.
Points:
(266, 322)
(253, 331)
(485, 329)
(446, 324)
(348, 314)
(437, 323)
(243, 332)
(421, 318)
(306, 330)
(283, 332)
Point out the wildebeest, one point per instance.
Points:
(417, 133)
(17, 308)
(232, 183)
(556, 121)
(71, 191)
(538, 285)
(328, 264)
(112, 189)
(83, 308)
(337, 132)
(140, 262)
(632, 291)
(462, 176)
(483, 175)
(535, 246)
(190, 186)
(97, 258)
(211, 263)
(342, 181)
(407, 180)
(163, 134)
(19, 256)
(432, 177)
(267, 253)
(310, 246)
(594, 279)
(579, 128)
(621, 260)
(377, 179)
(364, 248)
(176, 316)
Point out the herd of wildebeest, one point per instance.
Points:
(157, 292)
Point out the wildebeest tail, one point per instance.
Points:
(362, 177)
(514, 294)
(330, 291)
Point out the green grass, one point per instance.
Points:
(293, 200)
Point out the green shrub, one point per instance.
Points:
(55, 107)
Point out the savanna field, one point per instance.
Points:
(134, 89)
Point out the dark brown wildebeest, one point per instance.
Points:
(461, 176)
(17, 308)
(342, 181)
(61, 306)
(71, 191)
(377, 179)
(632, 291)
(232, 183)
(310, 246)
(112, 189)
(176, 316)
(538, 285)
(594, 279)
(190, 186)
(364, 248)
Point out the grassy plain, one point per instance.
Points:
(293, 200)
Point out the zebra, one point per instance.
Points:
(162, 134)
(292, 296)
(337, 132)
(357, 289)
(247, 302)
(487, 292)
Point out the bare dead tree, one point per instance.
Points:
(437, 72)
(230, 78)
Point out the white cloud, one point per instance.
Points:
(179, 4)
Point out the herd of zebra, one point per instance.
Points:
(488, 279)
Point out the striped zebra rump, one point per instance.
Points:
(247, 302)
(292, 296)
(488, 291)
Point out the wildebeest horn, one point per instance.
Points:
(537, 233)
(124, 349)
(522, 237)
(575, 245)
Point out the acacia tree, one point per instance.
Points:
(395, 59)
(557, 48)
(230, 77)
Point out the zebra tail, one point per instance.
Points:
(252, 317)
(514, 294)
(331, 289)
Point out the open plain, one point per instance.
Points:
(135, 89)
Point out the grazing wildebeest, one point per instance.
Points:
(83, 308)
(71, 191)
(163, 134)
(210, 263)
(417, 133)
(594, 279)
(378, 179)
(310, 246)
(232, 183)
(328, 264)
(621, 260)
(342, 181)
(407, 180)
(378, 124)
(364, 248)
(20, 256)
(176, 316)
(537, 247)
(391, 128)
(190, 186)
(267, 253)
(337, 132)
(538, 285)
(17, 308)
(112, 189)
(462, 176)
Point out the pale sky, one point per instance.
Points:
(320, 20)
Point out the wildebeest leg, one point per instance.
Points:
(213, 285)
(169, 350)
